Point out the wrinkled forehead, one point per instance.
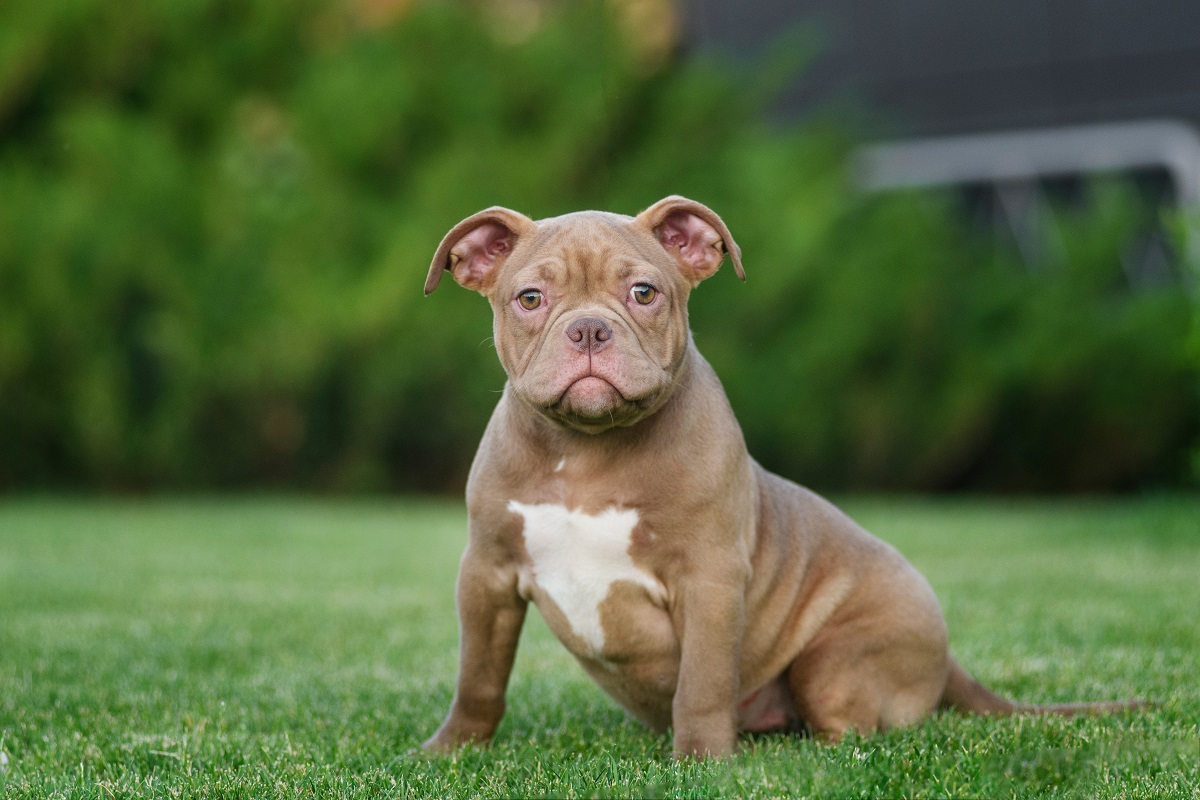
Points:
(585, 247)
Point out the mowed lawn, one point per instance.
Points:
(304, 648)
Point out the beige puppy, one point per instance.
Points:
(613, 489)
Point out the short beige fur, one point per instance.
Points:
(777, 611)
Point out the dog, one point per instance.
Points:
(613, 489)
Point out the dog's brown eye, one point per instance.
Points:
(643, 293)
(530, 299)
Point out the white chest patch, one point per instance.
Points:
(577, 558)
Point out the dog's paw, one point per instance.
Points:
(698, 746)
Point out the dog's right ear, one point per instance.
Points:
(475, 248)
(694, 234)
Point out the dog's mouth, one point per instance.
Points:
(593, 404)
(591, 397)
(593, 391)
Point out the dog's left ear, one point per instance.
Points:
(475, 248)
(693, 234)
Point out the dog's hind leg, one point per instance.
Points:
(882, 667)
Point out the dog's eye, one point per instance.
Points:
(643, 293)
(530, 299)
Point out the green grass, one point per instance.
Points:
(280, 648)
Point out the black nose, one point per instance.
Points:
(589, 333)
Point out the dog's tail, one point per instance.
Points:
(964, 693)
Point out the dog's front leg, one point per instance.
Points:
(490, 616)
(710, 619)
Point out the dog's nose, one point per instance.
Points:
(589, 333)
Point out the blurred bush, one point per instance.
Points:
(216, 216)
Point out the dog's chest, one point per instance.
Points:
(576, 560)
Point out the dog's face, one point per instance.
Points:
(590, 309)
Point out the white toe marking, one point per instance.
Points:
(577, 558)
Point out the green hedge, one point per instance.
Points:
(216, 216)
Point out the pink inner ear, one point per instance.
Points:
(697, 243)
(478, 253)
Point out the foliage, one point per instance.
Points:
(215, 218)
(932, 360)
(1187, 234)
(303, 649)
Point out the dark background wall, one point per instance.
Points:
(945, 66)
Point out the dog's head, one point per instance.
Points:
(590, 308)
